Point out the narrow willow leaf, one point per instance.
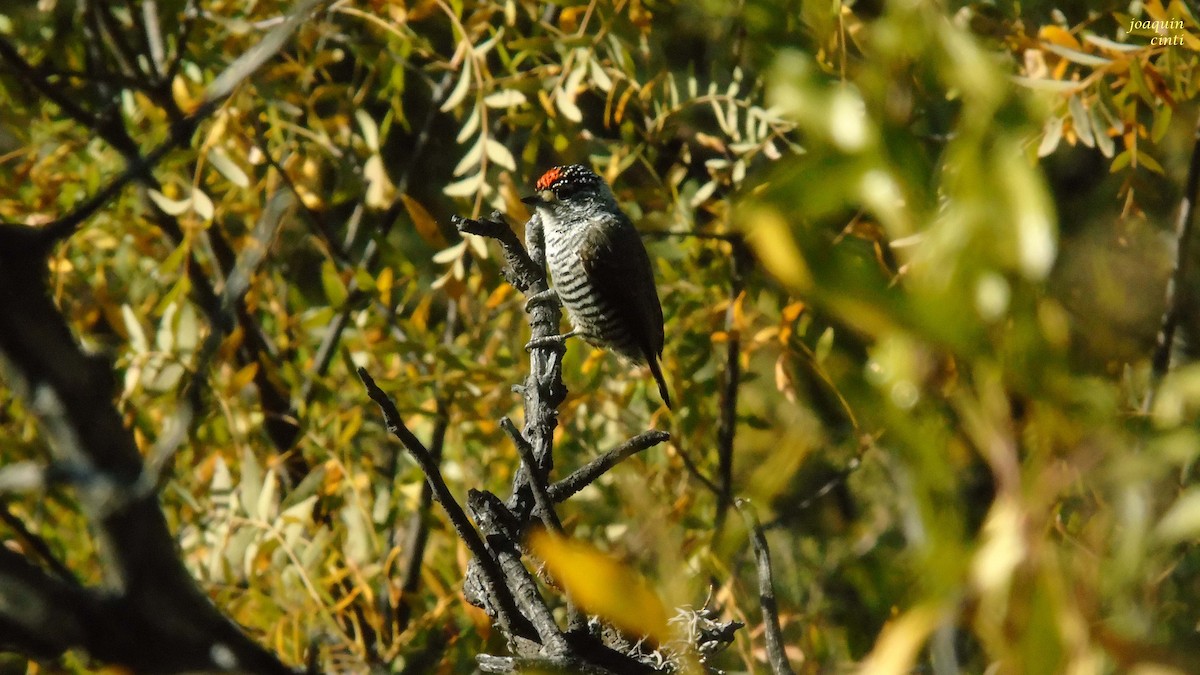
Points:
(450, 254)
(1080, 121)
(171, 207)
(251, 481)
(599, 77)
(1104, 142)
(505, 98)
(1074, 56)
(479, 246)
(483, 48)
(137, 336)
(1045, 85)
(566, 105)
(470, 126)
(423, 221)
(1162, 122)
(335, 289)
(1107, 106)
(265, 506)
(1051, 135)
(227, 167)
(1105, 43)
(500, 154)
(719, 114)
(565, 97)
(370, 130)
(589, 576)
(266, 48)
(459, 93)
(380, 190)
(739, 172)
(1182, 521)
(1150, 163)
(202, 204)
(471, 159)
(465, 187)
(1120, 162)
(703, 194)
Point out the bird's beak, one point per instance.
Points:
(531, 200)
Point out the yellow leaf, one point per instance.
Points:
(569, 17)
(380, 189)
(771, 238)
(793, 311)
(783, 378)
(242, 377)
(426, 226)
(420, 315)
(183, 98)
(603, 586)
(1059, 36)
(498, 296)
(384, 283)
(900, 642)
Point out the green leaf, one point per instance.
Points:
(1162, 122)
(331, 281)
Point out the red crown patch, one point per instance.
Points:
(548, 179)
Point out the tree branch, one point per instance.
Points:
(1160, 362)
(510, 619)
(766, 591)
(586, 474)
(70, 393)
(727, 426)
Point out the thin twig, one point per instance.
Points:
(507, 614)
(697, 473)
(727, 426)
(691, 234)
(838, 479)
(1160, 363)
(503, 531)
(586, 474)
(36, 544)
(766, 591)
(545, 505)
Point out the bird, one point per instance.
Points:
(599, 267)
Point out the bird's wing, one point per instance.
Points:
(616, 256)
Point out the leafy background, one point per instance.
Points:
(932, 238)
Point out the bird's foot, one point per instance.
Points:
(551, 341)
(546, 297)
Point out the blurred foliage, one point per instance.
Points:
(961, 226)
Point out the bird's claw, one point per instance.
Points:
(557, 342)
(548, 296)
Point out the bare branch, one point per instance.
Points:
(35, 543)
(727, 427)
(545, 506)
(584, 475)
(162, 616)
(1160, 362)
(766, 591)
(508, 616)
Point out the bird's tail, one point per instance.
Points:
(656, 369)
